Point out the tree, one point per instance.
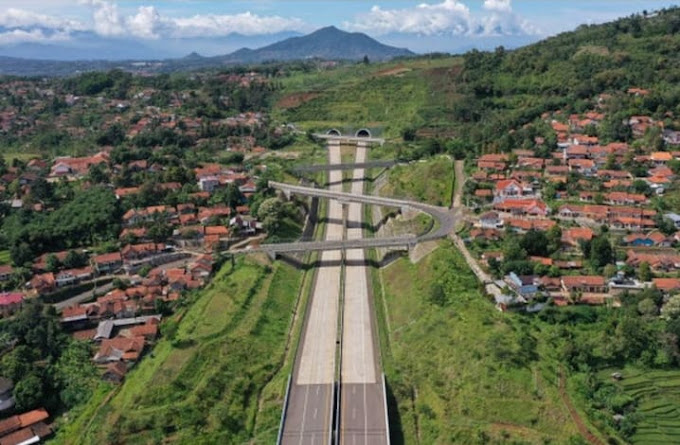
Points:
(17, 363)
(74, 374)
(52, 263)
(75, 259)
(28, 392)
(97, 174)
(535, 243)
(645, 272)
(601, 252)
(365, 60)
(671, 309)
(648, 308)
(438, 295)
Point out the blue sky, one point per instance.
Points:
(205, 26)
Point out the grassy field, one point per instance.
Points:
(429, 181)
(476, 377)
(218, 379)
(5, 257)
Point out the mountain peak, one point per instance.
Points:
(329, 43)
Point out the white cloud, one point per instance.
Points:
(245, 23)
(448, 17)
(145, 23)
(148, 23)
(497, 5)
(16, 36)
(20, 18)
(426, 19)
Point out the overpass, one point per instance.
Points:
(308, 246)
(329, 167)
(445, 219)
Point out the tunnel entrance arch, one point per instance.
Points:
(363, 133)
(333, 132)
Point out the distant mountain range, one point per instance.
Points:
(327, 43)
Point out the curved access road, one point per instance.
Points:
(445, 218)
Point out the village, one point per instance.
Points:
(165, 215)
(580, 225)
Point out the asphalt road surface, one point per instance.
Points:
(309, 412)
(362, 413)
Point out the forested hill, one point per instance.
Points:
(503, 90)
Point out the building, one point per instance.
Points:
(584, 284)
(10, 302)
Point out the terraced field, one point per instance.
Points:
(658, 397)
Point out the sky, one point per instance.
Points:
(207, 27)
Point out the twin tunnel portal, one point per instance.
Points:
(336, 393)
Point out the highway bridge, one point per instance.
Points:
(308, 246)
(444, 217)
(346, 166)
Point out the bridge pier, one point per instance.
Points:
(272, 254)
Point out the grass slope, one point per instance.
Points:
(476, 377)
(391, 96)
(429, 181)
(207, 384)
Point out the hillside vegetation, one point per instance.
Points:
(216, 375)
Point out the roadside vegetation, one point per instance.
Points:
(205, 380)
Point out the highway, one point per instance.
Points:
(309, 415)
(362, 417)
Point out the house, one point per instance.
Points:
(510, 188)
(208, 183)
(659, 261)
(490, 220)
(115, 372)
(10, 302)
(524, 225)
(485, 234)
(44, 283)
(119, 349)
(108, 262)
(133, 252)
(584, 166)
(221, 231)
(584, 284)
(660, 157)
(674, 218)
(667, 285)
(26, 428)
(525, 286)
(532, 207)
(623, 198)
(573, 236)
(655, 238)
(72, 276)
(6, 272)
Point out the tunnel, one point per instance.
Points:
(363, 133)
(333, 132)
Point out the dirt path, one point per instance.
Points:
(580, 424)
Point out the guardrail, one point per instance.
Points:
(279, 437)
(387, 417)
